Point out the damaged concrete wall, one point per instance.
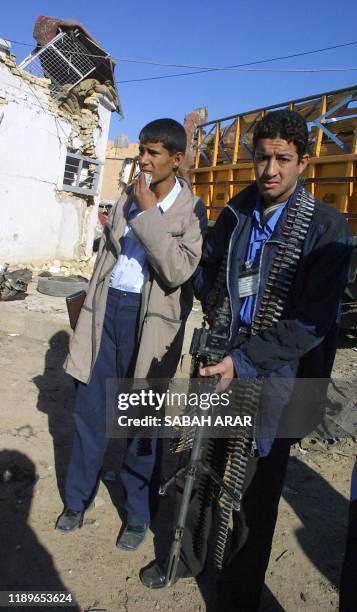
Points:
(40, 221)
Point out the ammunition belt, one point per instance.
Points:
(285, 263)
(269, 312)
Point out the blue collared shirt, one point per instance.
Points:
(259, 235)
(131, 270)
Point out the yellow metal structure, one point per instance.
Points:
(223, 163)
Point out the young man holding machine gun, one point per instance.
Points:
(133, 319)
(287, 265)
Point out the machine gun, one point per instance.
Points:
(208, 346)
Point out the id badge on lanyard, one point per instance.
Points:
(248, 279)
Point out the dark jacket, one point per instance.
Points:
(303, 342)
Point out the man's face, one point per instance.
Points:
(156, 160)
(277, 169)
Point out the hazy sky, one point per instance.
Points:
(197, 33)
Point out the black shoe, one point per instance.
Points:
(132, 537)
(153, 576)
(69, 520)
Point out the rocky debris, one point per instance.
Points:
(86, 94)
(79, 105)
(77, 267)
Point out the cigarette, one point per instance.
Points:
(148, 178)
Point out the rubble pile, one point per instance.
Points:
(77, 267)
(80, 107)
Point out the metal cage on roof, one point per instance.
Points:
(64, 60)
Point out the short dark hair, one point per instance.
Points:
(169, 132)
(285, 124)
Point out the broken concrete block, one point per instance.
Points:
(91, 101)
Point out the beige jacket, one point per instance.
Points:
(172, 243)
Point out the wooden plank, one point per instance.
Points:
(318, 141)
(350, 170)
(216, 143)
(199, 142)
(236, 141)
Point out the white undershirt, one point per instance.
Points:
(131, 270)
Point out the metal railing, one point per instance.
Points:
(224, 151)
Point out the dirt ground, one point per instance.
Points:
(36, 426)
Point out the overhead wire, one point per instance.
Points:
(243, 67)
(286, 70)
(263, 61)
(205, 68)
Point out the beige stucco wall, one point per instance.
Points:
(112, 168)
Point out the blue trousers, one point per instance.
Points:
(116, 359)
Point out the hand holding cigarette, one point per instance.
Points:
(144, 197)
